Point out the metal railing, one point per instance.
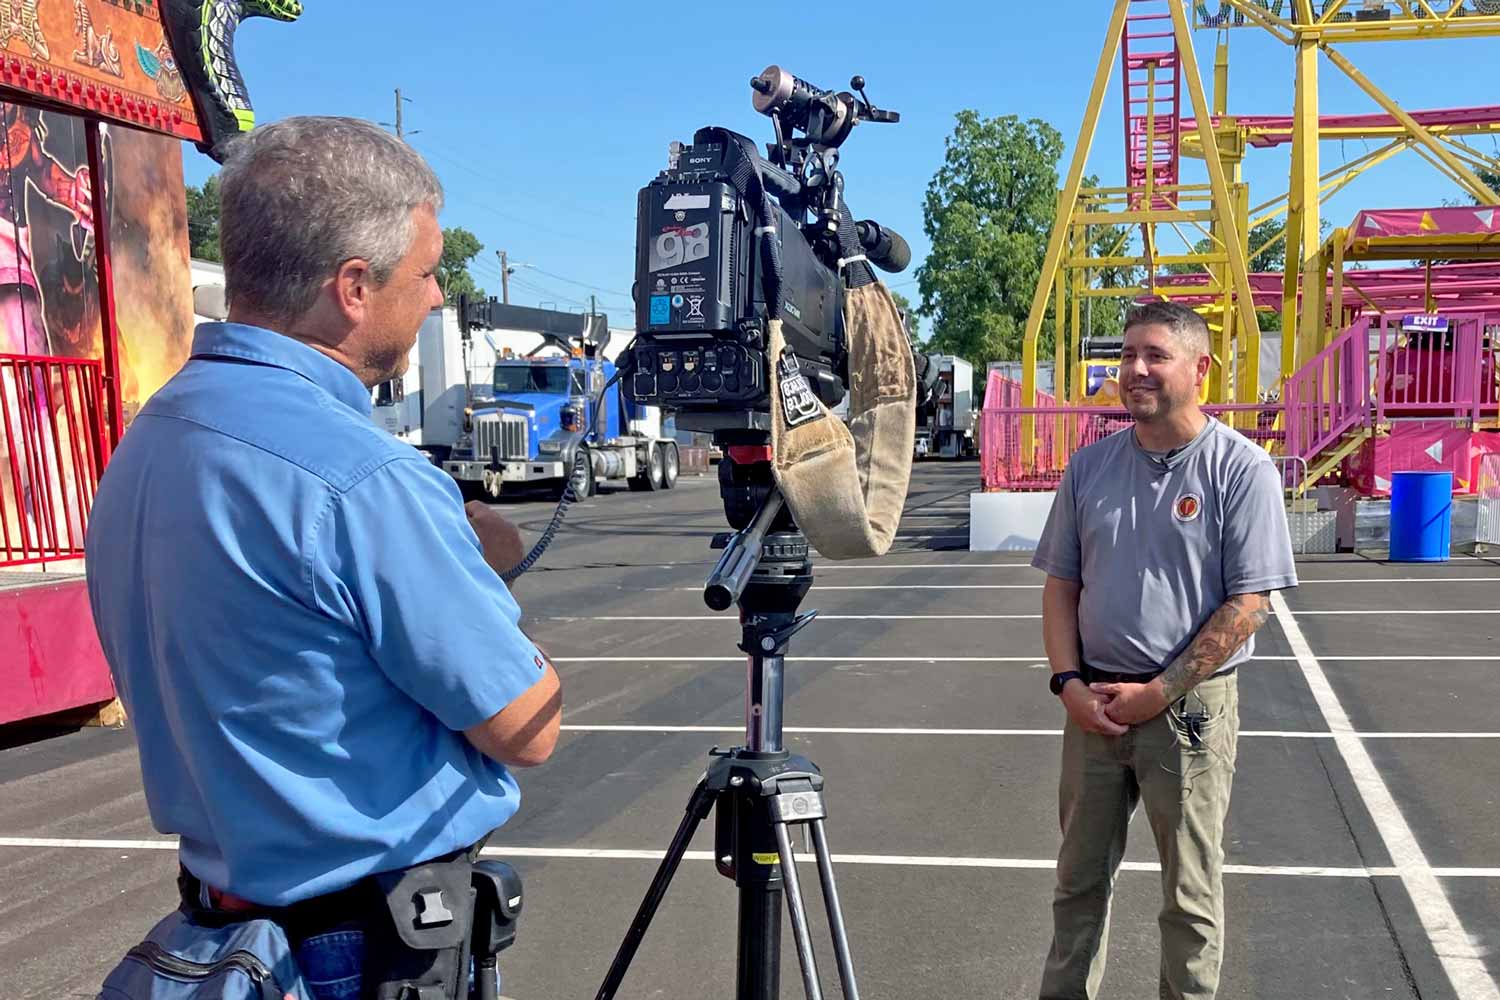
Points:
(1330, 395)
(1028, 447)
(54, 443)
(1438, 374)
(1488, 488)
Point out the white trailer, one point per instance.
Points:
(945, 426)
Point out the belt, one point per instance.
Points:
(303, 918)
(1093, 675)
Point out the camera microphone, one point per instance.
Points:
(884, 247)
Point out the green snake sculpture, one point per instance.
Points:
(201, 33)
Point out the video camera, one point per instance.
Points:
(727, 241)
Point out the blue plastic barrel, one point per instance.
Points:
(1421, 516)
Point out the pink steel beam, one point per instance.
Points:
(1276, 130)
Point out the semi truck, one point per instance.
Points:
(525, 419)
(945, 423)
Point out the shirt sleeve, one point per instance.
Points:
(1059, 552)
(1257, 553)
(395, 556)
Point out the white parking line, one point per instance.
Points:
(1038, 659)
(1405, 611)
(732, 620)
(846, 567)
(1461, 959)
(889, 860)
(1284, 734)
(824, 588)
(1041, 659)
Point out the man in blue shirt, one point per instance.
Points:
(325, 673)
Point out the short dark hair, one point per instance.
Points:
(1190, 329)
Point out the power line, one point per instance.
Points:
(489, 270)
(580, 284)
(498, 211)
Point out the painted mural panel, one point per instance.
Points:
(50, 306)
(108, 57)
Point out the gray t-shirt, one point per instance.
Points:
(1160, 543)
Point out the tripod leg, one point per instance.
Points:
(799, 915)
(835, 912)
(698, 807)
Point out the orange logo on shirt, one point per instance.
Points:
(1188, 507)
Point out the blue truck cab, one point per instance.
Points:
(539, 414)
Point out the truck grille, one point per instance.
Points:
(505, 431)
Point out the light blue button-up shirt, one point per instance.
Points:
(300, 623)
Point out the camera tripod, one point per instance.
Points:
(760, 790)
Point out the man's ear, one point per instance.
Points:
(351, 287)
(1205, 365)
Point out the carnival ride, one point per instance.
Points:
(1353, 352)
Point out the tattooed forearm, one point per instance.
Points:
(1224, 632)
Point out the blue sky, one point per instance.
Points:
(544, 120)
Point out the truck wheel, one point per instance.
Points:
(651, 477)
(583, 478)
(669, 465)
(473, 489)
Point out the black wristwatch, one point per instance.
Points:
(1060, 681)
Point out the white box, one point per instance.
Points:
(1007, 522)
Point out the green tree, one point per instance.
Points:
(460, 247)
(1491, 180)
(203, 220)
(904, 304)
(988, 213)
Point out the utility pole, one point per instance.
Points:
(400, 132)
(504, 277)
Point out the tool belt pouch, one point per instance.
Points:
(417, 943)
(190, 956)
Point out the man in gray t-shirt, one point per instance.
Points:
(1161, 550)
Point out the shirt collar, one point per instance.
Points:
(267, 347)
(1176, 456)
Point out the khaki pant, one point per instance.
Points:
(1186, 792)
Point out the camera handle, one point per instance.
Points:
(758, 791)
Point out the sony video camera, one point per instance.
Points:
(727, 241)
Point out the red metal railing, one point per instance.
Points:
(54, 443)
(1151, 68)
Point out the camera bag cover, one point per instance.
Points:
(846, 485)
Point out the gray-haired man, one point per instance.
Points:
(325, 672)
(1162, 548)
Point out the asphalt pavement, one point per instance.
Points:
(1362, 842)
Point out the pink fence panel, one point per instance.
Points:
(1437, 373)
(53, 446)
(1330, 395)
(1028, 447)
